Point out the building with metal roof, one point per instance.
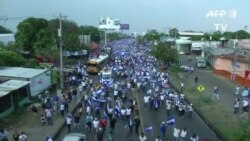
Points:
(39, 79)
(13, 93)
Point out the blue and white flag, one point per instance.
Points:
(148, 129)
(171, 120)
(105, 113)
(89, 102)
(117, 111)
(99, 91)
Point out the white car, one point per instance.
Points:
(75, 137)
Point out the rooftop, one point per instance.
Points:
(11, 85)
(20, 72)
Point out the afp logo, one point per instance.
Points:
(231, 14)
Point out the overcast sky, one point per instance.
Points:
(140, 14)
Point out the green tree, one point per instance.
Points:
(34, 34)
(196, 38)
(165, 53)
(10, 59)
(242, 34)
(94, 32)
(216, 35)
(174, 32)
(113, 36)
(4, 30)
(229, 35)
(152, 35)
(70, 32)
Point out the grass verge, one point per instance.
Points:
(226, 124)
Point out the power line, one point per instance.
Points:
(5, 18)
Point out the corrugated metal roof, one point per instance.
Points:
(11, 85)
(218, 51)
(20, 72)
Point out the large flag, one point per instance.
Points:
(148, 129)
(117, 111)
(171, 120)
(105, 113)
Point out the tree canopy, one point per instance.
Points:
(95, 34)
(152, 35)
(34, 34)
(70, 33)
(164, 53)
(9, 58)
(174, 32)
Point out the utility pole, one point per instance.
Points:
(61, 53)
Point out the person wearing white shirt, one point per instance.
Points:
(142, 137)
(183, 134)
(123, 113)
(176, 133)
(96, 124)
(69, 121)
(146, 101)
(128, 113)
(194, 137)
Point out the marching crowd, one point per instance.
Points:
(104, 105)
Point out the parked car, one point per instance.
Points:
(74, 137)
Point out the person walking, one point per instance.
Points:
(48, 115)
(16, 136)
(245, 108)
(183, 134)
(142, 137)
(236, 105)
(130, 125)
(103, 124)
(137, 124)
(168, 107)
(112, 124)
(190, 110)
(96, 125)
(99, 134)
(89, 119)
(77, 121)
(163, 128)
(110, 137)
(216, 93)
(194, 137)
(23, 137)
(176, 133)
(69, 122)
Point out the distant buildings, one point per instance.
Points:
(6, 38)
(232, 62)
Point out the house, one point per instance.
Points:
(13, 93)
(225, 62)
(39, 79)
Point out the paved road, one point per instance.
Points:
(154, 118)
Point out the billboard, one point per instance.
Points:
(124, 26)
(109, 24)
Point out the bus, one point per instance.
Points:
(95, 65)
(201, 62)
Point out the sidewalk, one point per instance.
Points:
(31, 125)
